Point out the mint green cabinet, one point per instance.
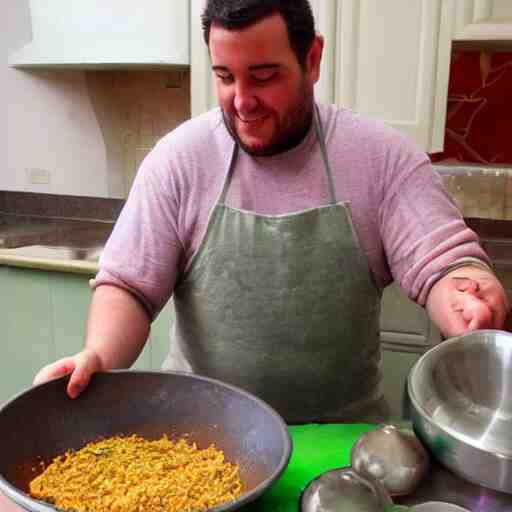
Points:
(26, 340)
(42, 318)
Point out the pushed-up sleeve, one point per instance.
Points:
(423, 232)
(143, 252)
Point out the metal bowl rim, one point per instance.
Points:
(23, 500)
(442, 347)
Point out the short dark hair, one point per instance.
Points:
(239, 14)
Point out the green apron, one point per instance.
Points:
(285, 307)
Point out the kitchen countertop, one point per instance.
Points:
(52, 244)
(76, 245)
(62, 259)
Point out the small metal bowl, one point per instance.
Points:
(461, 406)
(393, 456)
(344, 489)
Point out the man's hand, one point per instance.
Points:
(81, 366)
(466, 299)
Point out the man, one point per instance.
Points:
(275, 223)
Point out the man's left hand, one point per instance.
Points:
(466, 299)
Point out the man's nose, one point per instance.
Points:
(245, 101)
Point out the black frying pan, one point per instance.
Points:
(43, 422)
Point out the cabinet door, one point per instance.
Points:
(43, 317)
(489, 20)
(405, 323)
(70, 295)
(324, 12)
(393, 63)
(396, 366)
(202, 91)
(26, 342)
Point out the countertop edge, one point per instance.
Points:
(72, 266)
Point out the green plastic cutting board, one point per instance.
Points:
(316, 448)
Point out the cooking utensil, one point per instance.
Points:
(461, 406)
(394, 457)
(43, 422)
(344, 489)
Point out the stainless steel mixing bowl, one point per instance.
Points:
(461, 406)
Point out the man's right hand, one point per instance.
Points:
(81, 366)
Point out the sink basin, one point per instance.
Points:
(19, 231)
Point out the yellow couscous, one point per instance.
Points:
(131, 474)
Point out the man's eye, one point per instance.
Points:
(225, 79)
(264, 77)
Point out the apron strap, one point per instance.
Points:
(229, 175)
(321, 140)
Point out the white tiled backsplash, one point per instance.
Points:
(483, 193)
(134, 110)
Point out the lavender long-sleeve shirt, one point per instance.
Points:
(406, 223)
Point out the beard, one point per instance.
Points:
(289, 130)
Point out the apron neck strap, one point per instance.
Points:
(321, 140)
(227, 181)
(323, 148)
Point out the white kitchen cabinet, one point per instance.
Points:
(202, 87)
(324, 12)
(488, 20)
(392, 63)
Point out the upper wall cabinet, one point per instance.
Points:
(488, 20)
(325, 24)
(392, 63)
(112, 34)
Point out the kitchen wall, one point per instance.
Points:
(3, 75)
(81, 133)
(479, 117)
(478, 133)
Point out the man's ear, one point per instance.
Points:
(314, 59)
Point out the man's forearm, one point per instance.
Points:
(117, 328)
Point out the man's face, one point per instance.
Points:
(266, 97)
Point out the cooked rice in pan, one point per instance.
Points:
(131, 474)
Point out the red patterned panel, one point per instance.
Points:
(479, 116)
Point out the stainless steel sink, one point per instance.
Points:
(19, 231)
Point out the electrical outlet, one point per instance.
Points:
(38, 176)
